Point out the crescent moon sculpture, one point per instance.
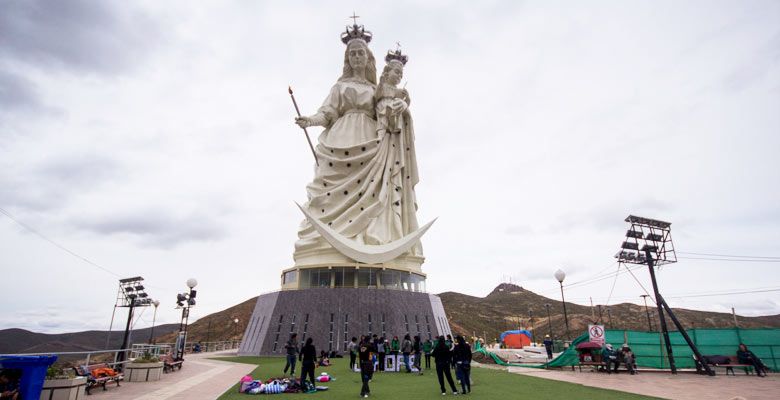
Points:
(368, 254)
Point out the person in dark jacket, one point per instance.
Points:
(548, 345)
(443, 356)
(406, 350)
(417, 349)
(365, 351)
(292, 353)
(745, 356)
(462, 357)
(308, 357)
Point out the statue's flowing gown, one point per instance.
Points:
(364, 186)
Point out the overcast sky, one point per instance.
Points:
(156, 139)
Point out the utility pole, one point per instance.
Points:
(549, 321)
(609, 314)
(734, 314)
(647, 311)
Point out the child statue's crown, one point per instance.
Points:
(356, 32)
(396, 56)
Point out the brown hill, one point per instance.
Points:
(508, 305)
(23, 341)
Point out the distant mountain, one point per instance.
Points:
(23, 341)
(506, 307)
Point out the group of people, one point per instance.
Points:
(613, 358)
(371, 349)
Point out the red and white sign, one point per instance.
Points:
(596, 334)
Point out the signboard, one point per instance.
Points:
(596, 334)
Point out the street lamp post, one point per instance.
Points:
(185, 301)
(531, 320)
(560, 276)
(155, 303)
(647, 311)
(235, 327)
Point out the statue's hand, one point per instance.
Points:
(303, 122)
(398, 106)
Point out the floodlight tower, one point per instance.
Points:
(655, 238)
(131, 294)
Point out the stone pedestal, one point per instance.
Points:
(64, 389)
(332, 316)
(143, 372)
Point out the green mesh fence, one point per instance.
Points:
(650, 352)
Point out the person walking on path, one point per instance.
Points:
(548, 344)
(462, 357)
(366, 364)
(352, 347)
(308, 358)
(443, 360)
(406, 350)
(427, 348)
(292, 353)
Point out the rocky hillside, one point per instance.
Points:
(507, 307)
(23, 341)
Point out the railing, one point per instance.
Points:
(112, 357)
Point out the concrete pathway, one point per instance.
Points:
(683, 386)
(199, 379)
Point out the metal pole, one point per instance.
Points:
(601, 315)
(154, 319)
(565, 315)
(734, 314)
(531, 320)
(121, 355)
(688, 340)
(647, 311)
(609, 314)
(664, 329)
(549, 321)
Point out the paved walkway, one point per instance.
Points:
(683, 386)
(199, 379)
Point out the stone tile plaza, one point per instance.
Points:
(502, 200)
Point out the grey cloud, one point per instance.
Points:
(52, 183)
(16, 92)
(77, 34)
(158, 229)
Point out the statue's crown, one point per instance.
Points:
(396, 56)
(356, 32)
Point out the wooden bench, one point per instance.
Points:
(170, 364)
(87, 371)
(733, 362)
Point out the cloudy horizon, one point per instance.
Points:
(156, 140)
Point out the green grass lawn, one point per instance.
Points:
(486, 384)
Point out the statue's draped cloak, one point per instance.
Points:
(364, 186)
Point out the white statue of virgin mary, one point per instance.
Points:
(361, 204)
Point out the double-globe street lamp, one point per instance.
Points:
(560, 276)
(185, 301)
(155, 303)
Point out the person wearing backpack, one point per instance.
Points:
(462, 357)
(406, 350)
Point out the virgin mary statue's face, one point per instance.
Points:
(358, 56)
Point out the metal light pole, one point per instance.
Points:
(531, 320)
(560, 276)
(549, 321)
(647, 311)
(609, 314)
(155, 303)
(235, 327)
(185, 301)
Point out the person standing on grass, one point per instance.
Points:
(352, 347)
(443, 360)
(406, 350)
(427, 348)
(308, 358)
(365, 349)
(395, 346)
(462, 357)
(380, 350)
(417, 348)
(292, 353)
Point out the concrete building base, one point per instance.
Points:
(332, 316)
